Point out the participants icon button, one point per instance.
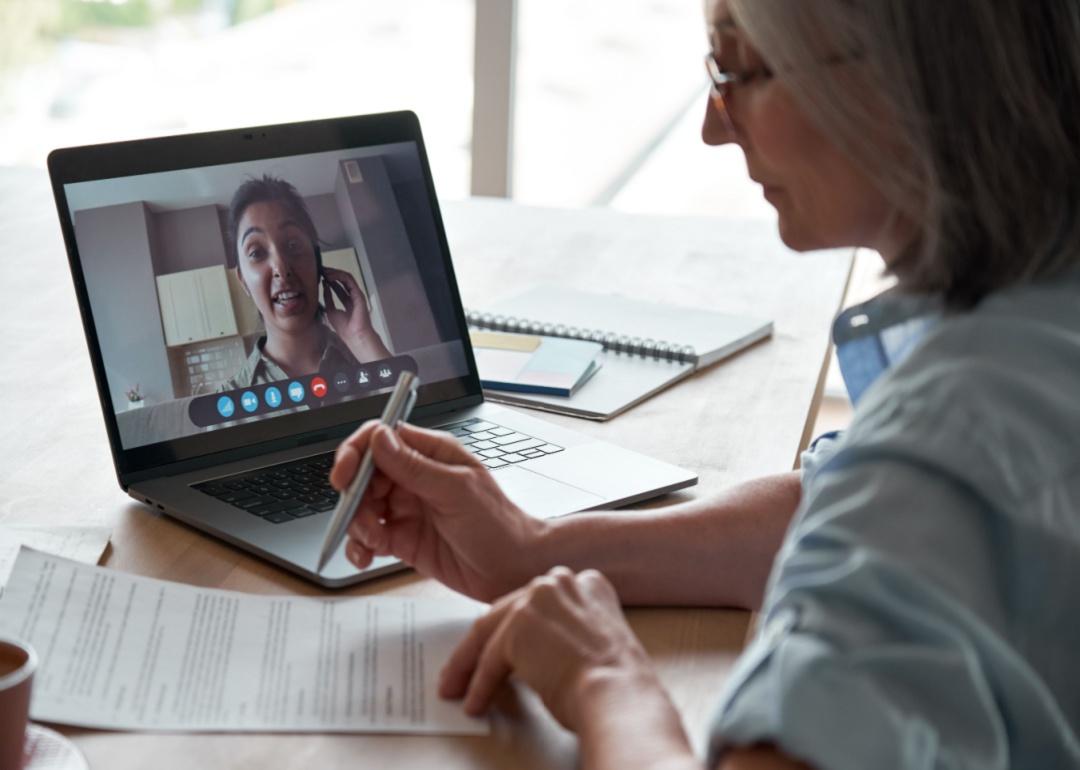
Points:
(225, 406)
(249, 401)
(318, 387)
(296, 392)
(272, 397)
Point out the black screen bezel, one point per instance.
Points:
(146, 156)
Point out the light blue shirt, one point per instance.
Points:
(924, 610)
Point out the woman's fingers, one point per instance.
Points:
(345, 287)
(346, 463)
(459, 669)
(399, 467)
(378, 536)
(328, 298)
(548, 634)
(331, 287)
(597, 587)
(492, 669)
(426, 478)
(366, 527)
(358, 555)
(436, 444)
(346, 280)
(367, 524)
(349, 453)
(342, 294)
(360, 437)
(380, 486)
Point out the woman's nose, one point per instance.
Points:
(717, 127)
(279, 263)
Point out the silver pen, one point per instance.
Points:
(397, 409)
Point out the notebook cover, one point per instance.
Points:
(622, 382)
(626, 379)
(713, 335)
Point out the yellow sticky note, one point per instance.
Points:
(502, 341)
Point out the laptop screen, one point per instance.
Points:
(230, 294)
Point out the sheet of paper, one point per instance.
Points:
(119, 651)
(85, 544)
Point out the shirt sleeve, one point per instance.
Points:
(881, 643)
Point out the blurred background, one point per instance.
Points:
(602, 105)
(602, 91)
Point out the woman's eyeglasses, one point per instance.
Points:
(723, 82)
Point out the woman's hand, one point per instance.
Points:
(433, 505)
(353, 324)
(565, 636)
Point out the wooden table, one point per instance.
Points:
(741, 419)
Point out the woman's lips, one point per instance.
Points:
(767, 190)
(288, 302)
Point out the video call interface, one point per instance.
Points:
(228, 294)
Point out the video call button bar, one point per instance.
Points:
(311, 390)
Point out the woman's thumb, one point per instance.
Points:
(424, 477)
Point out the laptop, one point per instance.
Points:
(249, 298)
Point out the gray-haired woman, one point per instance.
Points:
(917, 614)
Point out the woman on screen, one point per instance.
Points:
(917, 578)
(279, 264)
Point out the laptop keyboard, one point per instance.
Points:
(279, 493)
(300, 488)
(497, 446)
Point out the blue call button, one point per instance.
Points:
(272, 396)
(225, 406)
(249, 401)
(296, 392)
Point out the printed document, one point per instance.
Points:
(118, 651)
(85, 544)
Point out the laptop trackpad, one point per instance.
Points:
(541, 496)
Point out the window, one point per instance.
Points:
(84, 71)
(608, 93)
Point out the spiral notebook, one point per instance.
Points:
(647, 346)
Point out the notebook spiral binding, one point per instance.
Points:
(635, 346)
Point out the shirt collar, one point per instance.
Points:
(335, 356)
(875, 335)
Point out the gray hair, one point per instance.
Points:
(971, 129)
